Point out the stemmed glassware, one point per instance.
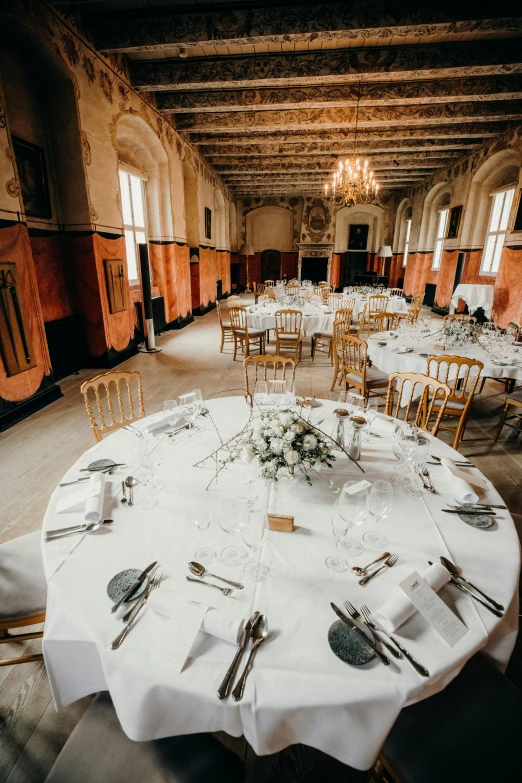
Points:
(255, 537)
(352, 506)
(337, 563)
(380, 503)
(370, 413)
(276, 392)
(418, 463)
(261, 393)
(404, 445)
(151, 451)
(202, 508)
(233, 517)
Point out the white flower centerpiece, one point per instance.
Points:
(281, 443)
(458, 331)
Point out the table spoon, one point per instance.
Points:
(258, 636)
(362, 571)
(131, 482)
(454, 571)
(224, 688)
(200, 570)
(124, 492)
(92, 527)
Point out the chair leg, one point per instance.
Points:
(235, 348)
(222, 340)
(502, 420)
(459, 435)
(313, 348)
(483, 381)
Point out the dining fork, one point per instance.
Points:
(355, 615)
(387, 564)
(426, 474)
(228, 591)
(154, 581)
(475, 505)
(371, 624)
(153, 585)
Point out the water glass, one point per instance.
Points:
(356, 403)
(152, 459)
(353, 507)
(171, 412)
(276, 391)
(255, 537)
(336, 563)
(380, 503)
(202, 509)
(370, 412)
(261, 393)
(418, 463)
(232, 517)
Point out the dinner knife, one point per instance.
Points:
(472, 595)
(382, 657)
(224, 689)
(481, 512)
(137, 582)
(102, 468)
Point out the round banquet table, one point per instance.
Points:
(388, 359)
(263, 317)
(298, 691)
(396, 304)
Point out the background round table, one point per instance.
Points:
(298, 691)
(263, 317)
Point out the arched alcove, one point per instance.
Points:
(501, 169)
(140, 148)
(437, 198)
(369, 215)
(270, 228)
(233, 227)
(219, 228)
(190, 188)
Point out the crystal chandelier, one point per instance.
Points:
(353, 182)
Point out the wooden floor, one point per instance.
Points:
(35, 454)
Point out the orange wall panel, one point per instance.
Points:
(335, 271)
(224, 270)
(507, 304)
(53, 287)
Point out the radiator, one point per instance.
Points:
(67, 346)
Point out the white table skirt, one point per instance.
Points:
(264, 318)
(475, 296)
(387, 359)
(297, 691)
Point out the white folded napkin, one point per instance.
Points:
(215, 622)
(94, 504)
(462, 491)
(398, 609)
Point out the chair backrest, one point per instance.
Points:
(414, 312)
(354, 353)
(238, 319)
(259, 288)
(344, 314)
(293, 281)
(234, 301)
(340, 327)
(220, 314)
(377, 304)
(269, 282)
(417, 299)
(460, 373)
(334, 300)
(266, 361)
(386, 321)
(348, 302)
(470, 319)
(111, 392)
(288, 322)
(396, 292)
(292, 290)
(407, 389)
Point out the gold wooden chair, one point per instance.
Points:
(355, 370)
(377, 303)
(269, 283)
(259, 290)
(396, 291)
(417, 299)
(340, 328)
(461, 375)
(23, 591)
(266, 360)
(323, 341)
(243, 336)
(513, 400)
(413, 313)
(234, 301)
(226, 328)
(399, 400)
(288, 331)
(325, 291)
(292, 290)
(348, 302)
(109, 390)
(385, 322)
(469, 319)
(334, 301)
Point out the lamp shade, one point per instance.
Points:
(385, 251)
(246, 250)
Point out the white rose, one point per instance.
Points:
(298, 429)
(246, 455)
(286, 418)
(276, 444)
(277, 430)
(292, 458)
(309, 442)
(289, 435)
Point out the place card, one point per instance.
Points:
(433, 609)
(180, 633)
(358, 487)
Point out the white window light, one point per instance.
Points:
(496, 233)
(134, 220)
(406, 243)
(439, 238)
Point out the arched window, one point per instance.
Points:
(501, 202)
(132, 187)
(439, 237)
(406, 247)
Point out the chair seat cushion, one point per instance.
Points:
(98, 751)
(252, 333)
(449, 736)
(23, 588)
(226, 324)
(374, 378)
(323, 335)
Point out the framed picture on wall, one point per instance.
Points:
(454, 222)
(358, 236)
(116, 284)
(208, 223)
(32, 173)
(517, 223)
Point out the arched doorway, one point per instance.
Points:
(270, 265)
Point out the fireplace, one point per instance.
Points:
(314, 269)
(315, 261)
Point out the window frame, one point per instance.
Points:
(407, 237)
(134, 228)
(440, 236)
(490, 252)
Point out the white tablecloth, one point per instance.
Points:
(263, 317)
(298, 691)
(387, 358)
(396, 304)
(475, 296)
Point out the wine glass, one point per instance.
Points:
(353, 507)
(370, 412)
(233, 517)
(261, 393)
(336, 563)
(290, 394)
(380, 503)
(202, 508)
(404, 445)
(255, 537)
(153, 458)
(418, 463)
(276, 391)
(355, 403)
(189, 404)
(171, 412)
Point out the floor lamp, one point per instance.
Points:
(247, 250)
(385, 252)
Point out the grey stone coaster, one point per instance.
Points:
(346, 644)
